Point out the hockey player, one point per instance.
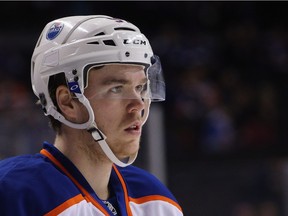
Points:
(95, 77)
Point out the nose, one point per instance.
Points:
(136, 105)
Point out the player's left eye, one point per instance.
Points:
(141, 88)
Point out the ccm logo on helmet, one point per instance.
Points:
(135, 41)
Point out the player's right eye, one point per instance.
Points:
(116, 89)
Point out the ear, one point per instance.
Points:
(66, 103)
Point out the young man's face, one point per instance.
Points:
(115, 93)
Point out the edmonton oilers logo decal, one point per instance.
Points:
(54, 30)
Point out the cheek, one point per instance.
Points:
(107, 113)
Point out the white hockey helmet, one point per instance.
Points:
(73, 45)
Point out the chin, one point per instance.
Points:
(124, 148)
(127, 152)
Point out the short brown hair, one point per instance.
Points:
(54, 82)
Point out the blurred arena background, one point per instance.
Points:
(226, 113)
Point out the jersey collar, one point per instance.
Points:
(116, 183)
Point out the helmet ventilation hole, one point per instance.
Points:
(109, 42)
(99, 34)
(94, 42)
(124, 29)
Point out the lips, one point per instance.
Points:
(136, 126)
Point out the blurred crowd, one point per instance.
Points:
(226, 80)
(23, 126)
(226, 71)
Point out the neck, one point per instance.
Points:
(88, 157)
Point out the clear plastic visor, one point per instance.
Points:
(156, 80)
(134, 83)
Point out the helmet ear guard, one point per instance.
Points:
(70, 45)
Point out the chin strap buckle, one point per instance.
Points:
(96, 133)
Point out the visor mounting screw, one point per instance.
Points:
(127, 54)
(74, 71)
(145, 55)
